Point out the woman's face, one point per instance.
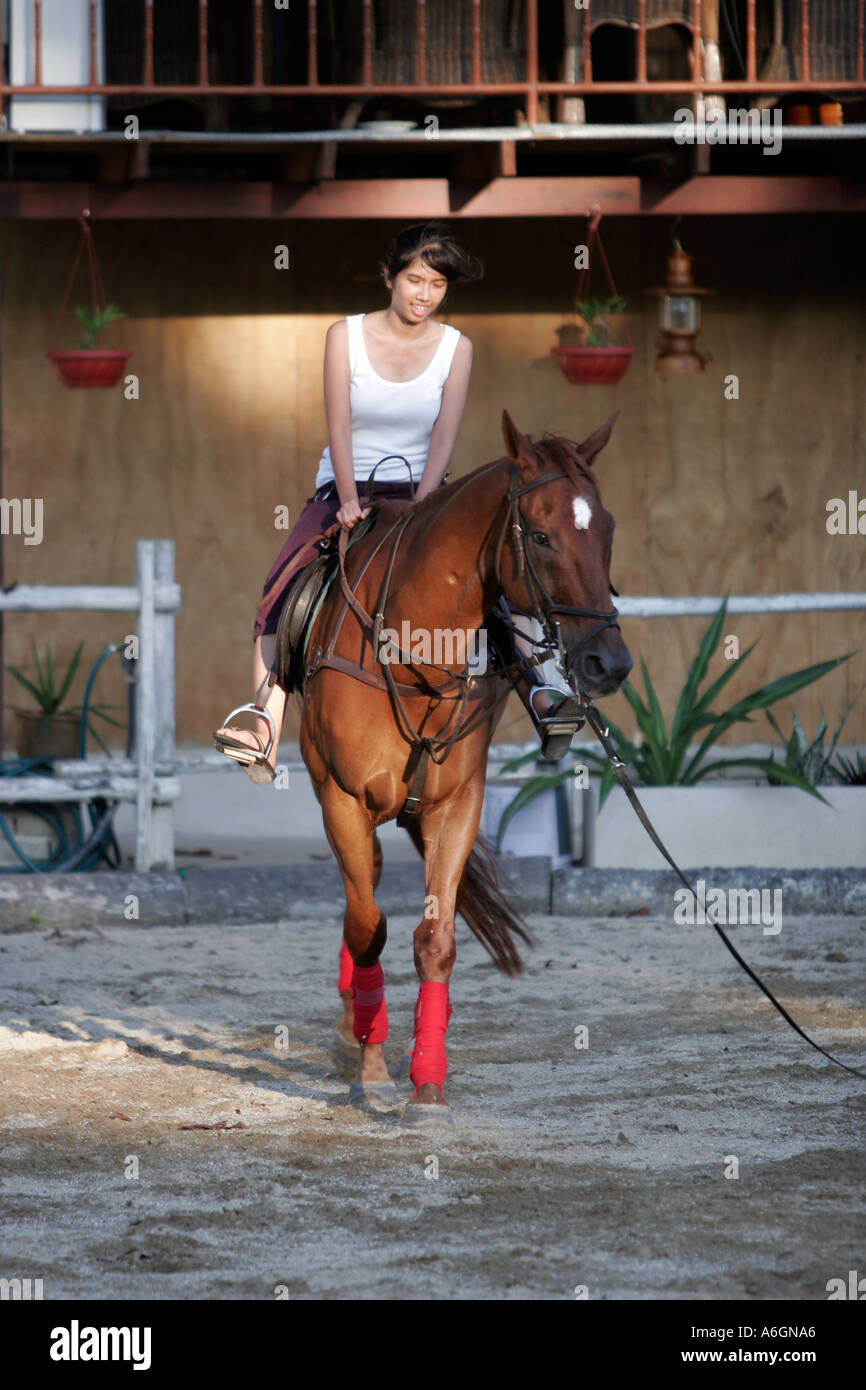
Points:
(417, 291)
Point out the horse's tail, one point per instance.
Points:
(490, 916)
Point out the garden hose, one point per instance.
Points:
(99, 843)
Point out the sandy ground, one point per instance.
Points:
(601, 1167)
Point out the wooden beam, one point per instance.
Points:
(310, 163)
(484, 161)
(342, 198)
(354, 199)
(719, 194)
(119, 163)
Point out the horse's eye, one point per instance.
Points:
(540, 538)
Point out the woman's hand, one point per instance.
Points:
(350, 512)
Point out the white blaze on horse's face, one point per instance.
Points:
(582, 513)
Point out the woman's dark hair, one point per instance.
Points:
(437, 247)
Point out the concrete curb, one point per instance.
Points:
(230, 895)
(616, 892)
(226, 896)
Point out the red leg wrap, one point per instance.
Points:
(347, 965)
(370, 1024)
(432, 1013)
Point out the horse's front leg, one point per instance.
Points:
(351, 837)
(346, 1046)
(448, 830)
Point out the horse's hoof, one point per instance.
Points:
(405, 1064)
(345, 1055)
(374, 1095)
(428, 1116)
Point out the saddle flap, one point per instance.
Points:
(305, 594)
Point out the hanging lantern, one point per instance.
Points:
(680, 316)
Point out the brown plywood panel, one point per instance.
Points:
(708, 494)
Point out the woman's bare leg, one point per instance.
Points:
(273, 699)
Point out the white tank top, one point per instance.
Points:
(391, 417)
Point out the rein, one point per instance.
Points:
(601, 732)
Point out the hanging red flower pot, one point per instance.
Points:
(589, 351)
(593, 366)
(91, 365)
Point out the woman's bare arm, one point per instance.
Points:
(447, 424)
(338, 415)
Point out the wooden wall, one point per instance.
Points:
(709, 494)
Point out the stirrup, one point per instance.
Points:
(251, 708)
(558, 728)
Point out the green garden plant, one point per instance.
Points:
(95, 322)
(849, 772)
(808, 759)
(658, 757)
(595, 312)
(49, 692)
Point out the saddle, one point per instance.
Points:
(302, 605)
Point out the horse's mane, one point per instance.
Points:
(551, 451)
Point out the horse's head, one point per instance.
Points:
(566, 543)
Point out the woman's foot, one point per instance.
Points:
(558, 715)
(255, 750)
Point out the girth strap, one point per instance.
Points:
(416, 769)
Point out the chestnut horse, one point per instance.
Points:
(530, 526)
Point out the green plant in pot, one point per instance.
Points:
(92, 365)
(596, 325)
(94, 323)
(809, 758)
(594, 349)
(51, 731)
(851, 772)
(600, 317)
(658, 757)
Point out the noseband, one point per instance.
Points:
(543, 607)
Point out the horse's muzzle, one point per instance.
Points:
(600, 667)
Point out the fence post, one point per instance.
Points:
(162, 842)
(145, 575)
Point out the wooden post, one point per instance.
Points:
(572, 110)
(712, 66)
(532, 62)
(162, 842)
(145, 696)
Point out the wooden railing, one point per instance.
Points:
(451, 48)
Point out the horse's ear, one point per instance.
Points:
(596, 441)
(516, 444)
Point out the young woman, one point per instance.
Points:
(396, 382)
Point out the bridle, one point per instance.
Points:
(542, 605)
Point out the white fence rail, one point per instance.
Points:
(151, 780)
(689, 607)
(155, 599)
